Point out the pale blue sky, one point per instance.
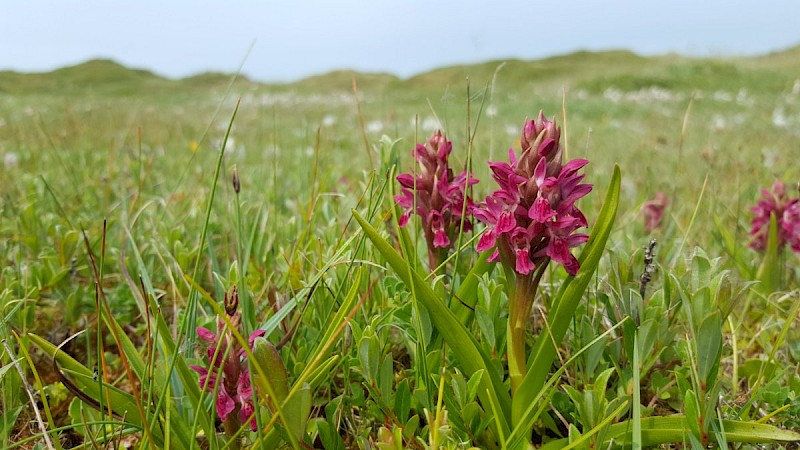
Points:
(301, 38)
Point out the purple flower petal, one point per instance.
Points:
(541, 211)
(487, 240)
(206, 335)
(524, 265)
(225, 404)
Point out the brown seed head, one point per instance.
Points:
(231, 301)
(236, 185)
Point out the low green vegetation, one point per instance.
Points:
(218, 263)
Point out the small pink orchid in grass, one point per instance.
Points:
(439, 196)
(787, 214)
(653, 211)
(227, 373)
(532, 217)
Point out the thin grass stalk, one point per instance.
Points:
(691, 223)
(636, 408)
(110, 318)
(190, 321)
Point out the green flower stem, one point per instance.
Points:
(518, 312)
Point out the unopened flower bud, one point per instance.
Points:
(236, 185)
(231, 302)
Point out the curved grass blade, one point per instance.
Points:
(675, 429)
(122, 403)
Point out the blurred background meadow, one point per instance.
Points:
(108, 181)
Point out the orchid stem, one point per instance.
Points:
(518, 313)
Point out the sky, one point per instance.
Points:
(284, 40)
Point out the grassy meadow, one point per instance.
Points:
(121, 233)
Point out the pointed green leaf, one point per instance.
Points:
(297, 410)
(709, 348)
(769, 273)
(463, 305)
(674, 429)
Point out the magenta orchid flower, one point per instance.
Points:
(436, 195)
(787, 214)
(532, 218)
(653, 211)
(227, 373)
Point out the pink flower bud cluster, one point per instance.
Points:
(533, 215)
(440, 197)
(787, 214)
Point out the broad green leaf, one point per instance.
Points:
(402, 401)
(329, 435)
(470, 355)
(693, 416)
(674, 429)
(463, 305)
(268, 359)
(709, 348)
(769, 273)
(564, 304)
(297, 409)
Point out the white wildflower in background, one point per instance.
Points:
(375, 126)
(743, 99)
(431, 124)
(329, 120)
(771, 157)
(723, 96)
(613, 95)
(779, 118)
(272, 150)
(718, 122)
(10, 160)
